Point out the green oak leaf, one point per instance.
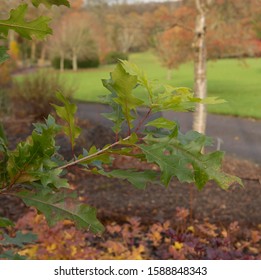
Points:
(60, 206)
(177, 99)
(142, 79)
(131, 140)
(182, 157)
(116, 116)
(207, 167)
(170, 165)
(33, 159)
(49, 3)
(162, 123)
(19, 240)
(52, 178)
(121, 85)
(94, 158)
(139, 179)
(37, 28)
(11, 255)
(67, 113)
(3, 54)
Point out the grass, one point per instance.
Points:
(238, 82)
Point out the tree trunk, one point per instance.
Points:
(200, 68)
(41, 61)
(74, 62)
(33, 52)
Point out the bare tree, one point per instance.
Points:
(58, 44)
(72, 40)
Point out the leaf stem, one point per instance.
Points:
(93, 155)
(143, 120)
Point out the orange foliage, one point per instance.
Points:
(174, 46)
(134, 241)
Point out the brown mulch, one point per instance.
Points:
(117, 199)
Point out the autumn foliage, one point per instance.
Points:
(174, 47)
(134, 241)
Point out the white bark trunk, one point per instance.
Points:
(74, 62)
(200, 68)
(61, 62)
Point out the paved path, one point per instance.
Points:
(236, 136)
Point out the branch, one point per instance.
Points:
(178, 23)
(143, 120)
(94, 155)
(202, 7)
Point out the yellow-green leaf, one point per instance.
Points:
(49, 3)
(37, 28)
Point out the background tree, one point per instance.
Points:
(174, 48)
(57, 45)
(73, 39)
(124, 31)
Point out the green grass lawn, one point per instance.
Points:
(239, 83)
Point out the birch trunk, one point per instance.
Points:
(74, 62)
(41, 61)
(61, 61)
(200, 67)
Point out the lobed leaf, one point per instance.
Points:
(19, 240)
(11, 255)
(37, 28)
(121, 85)
(170, 165)
(94, 158)
(142, 79)
(60, 206)
(162, 123)
(139, 179)
(182, 157)
(116, 116)
(34, 160)
(67, 113)
(177, 99)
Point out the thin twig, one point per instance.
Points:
(143, 120)
(93, 155)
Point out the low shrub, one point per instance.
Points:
(92, 62)
(112, 57)
(56, 63)
(33, 94)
